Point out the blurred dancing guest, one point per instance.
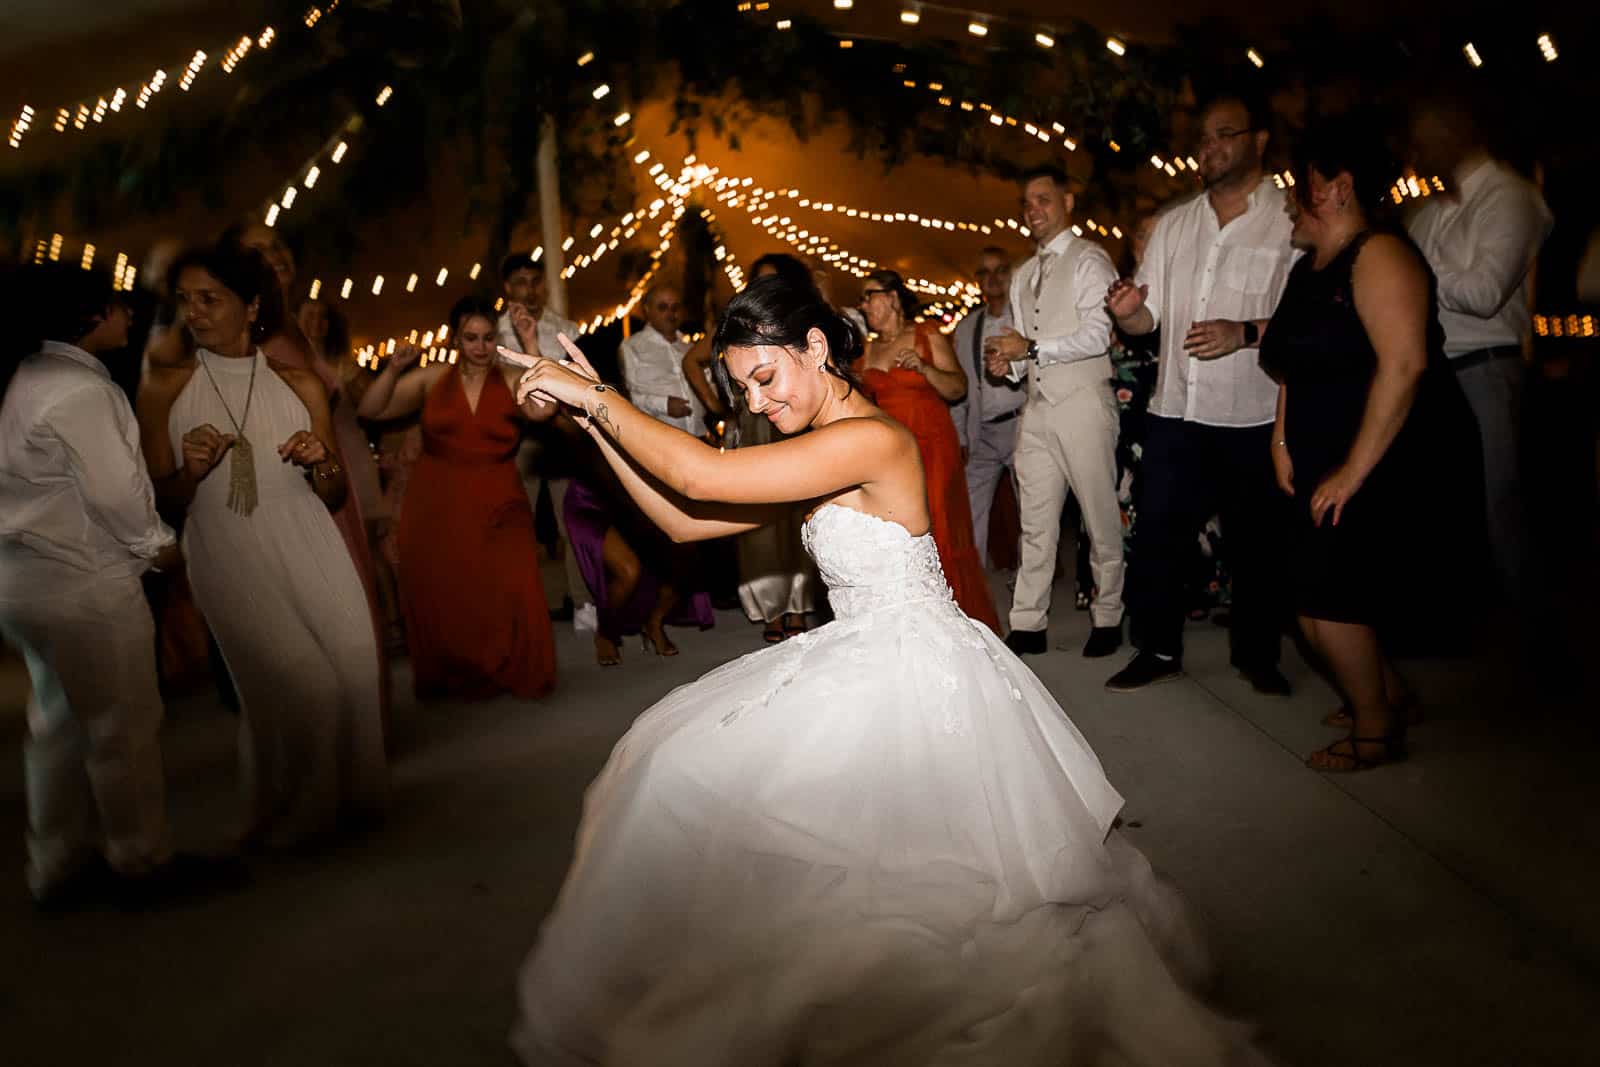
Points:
(883, 839)
(476, 619)
(244, 446)
(986, 418)
(911, 372)
(78, 527)
(1369, 420)
(541, 458)
(1211, 276)
(1481, 239)
(288, 346)
(777, 580)
(653, 368)
(1068, 436)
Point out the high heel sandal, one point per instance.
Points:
(662, 648)
(774, 632)
(1344, 755)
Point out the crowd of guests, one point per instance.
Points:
(1334, 391)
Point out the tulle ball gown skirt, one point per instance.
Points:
(881, 842)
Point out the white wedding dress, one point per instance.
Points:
(881, 843)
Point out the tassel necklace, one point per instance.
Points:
(242, 493)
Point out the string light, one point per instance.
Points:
(910, 16)
(233, 53)
(339, 151)
(1471, 52)
(600, 91)
(1255, 57)
(346, 288)
(1547, 46)
(384, 94)
(977, 28)
(88, 257)
(1116, 47)
(1044, 40)
(311, 177)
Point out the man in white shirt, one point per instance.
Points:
(78, 527)
(986, 417)
(522, 282)
(1068, 437)
(1481, 238)
(1210, 279)
(652, 364)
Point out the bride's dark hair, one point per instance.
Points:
(777, 311)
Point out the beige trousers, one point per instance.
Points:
(1068, 444)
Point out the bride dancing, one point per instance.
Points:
(881, 842)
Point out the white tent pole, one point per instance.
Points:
(555, 260)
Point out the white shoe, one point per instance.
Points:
(586, 620)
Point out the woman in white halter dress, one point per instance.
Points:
(267, 563)
(881, 842)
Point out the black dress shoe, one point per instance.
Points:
(1027, 642)
(1268, 680)
(84, 889)
(1103, 640)
(182, 879)
(1146, 669)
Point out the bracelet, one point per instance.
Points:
(1281, 443)
(327, 471)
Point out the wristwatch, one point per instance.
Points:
(1033, 349)
(1252, 334)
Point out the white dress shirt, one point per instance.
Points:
(985, 398)
(652, 369)
(1199, 270)
(550, 324)
(1480, 247)
(74, 489)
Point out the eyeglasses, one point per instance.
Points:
(1207, 140)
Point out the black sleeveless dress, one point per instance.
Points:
(1395, 555)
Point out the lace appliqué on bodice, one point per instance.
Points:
(870, 563)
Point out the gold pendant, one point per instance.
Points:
(242, 478)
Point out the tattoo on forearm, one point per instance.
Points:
(602, 414)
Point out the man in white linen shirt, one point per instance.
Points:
(1481, 238)
(1210, 279)
(522, 282)
(652, 364)
(1068, 437)
(78, 527)
(986, 417)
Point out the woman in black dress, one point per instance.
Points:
(1369, 431)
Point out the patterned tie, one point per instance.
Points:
(1039, 274)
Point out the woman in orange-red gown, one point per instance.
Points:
(904, 377)
(476, 619)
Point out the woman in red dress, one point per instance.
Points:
(476, 619)
(911, 372)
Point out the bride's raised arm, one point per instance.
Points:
(825, 461)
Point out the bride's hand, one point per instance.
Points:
(568, 381)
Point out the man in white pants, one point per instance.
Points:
(1068, 437)
(78, 527)
(523, 283)
(986, 418)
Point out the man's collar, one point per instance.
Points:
(77, 355)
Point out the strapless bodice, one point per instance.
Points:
(870, 563)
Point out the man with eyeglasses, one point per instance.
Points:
(986, 418)
(1211, 278)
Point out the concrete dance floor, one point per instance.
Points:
(1442, 911)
